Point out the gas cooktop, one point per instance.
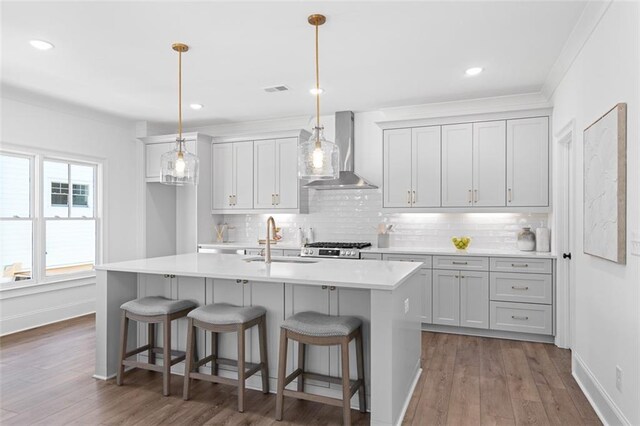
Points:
(332, 249)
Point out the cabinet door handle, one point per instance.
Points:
(332, 288)
(408, 197)
(515, 287)
(324, 287)
(509, 194)
(413, 199)
(516, 317)
(273, 199)
(475, 195)
(519, 265)
(456, 276)
(459, 263)
(230, 200)
(470, 198)
(235, 199)
(277, 199)
(461, 276)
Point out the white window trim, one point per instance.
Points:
(38, 274)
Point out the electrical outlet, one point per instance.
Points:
(406, 306)
(619, 378)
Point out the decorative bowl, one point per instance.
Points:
(461, 243)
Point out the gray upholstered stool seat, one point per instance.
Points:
(316, 324)
(156, 305)
(225, 313)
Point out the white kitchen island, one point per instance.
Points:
(385, 295)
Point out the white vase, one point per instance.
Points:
(526, 240)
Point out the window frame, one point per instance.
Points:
(30, 218)
(38, 220)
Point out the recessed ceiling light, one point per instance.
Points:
(474, 71)
(315, 91)
(41, 44)
(195, 106)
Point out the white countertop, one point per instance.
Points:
(364, 274)
(403, 250)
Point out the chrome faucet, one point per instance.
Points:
(271, 232)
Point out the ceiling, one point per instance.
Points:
(117, 57)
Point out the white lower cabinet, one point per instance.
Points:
(427, 293)
(446, 297)
(474, 299)
(522, 317)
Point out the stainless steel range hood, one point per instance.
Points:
(344, 139)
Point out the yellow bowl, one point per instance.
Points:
(461, 243)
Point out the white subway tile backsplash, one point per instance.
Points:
(353, 215)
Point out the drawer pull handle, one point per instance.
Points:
(459, 263)
(516, 317)
(515, 287)
(519, 265)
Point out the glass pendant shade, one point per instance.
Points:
(179, 167)
(318, 158)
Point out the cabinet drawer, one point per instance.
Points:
(515, 287)
(461, 263)
(521, 317)
(506, 264)
(370, 256)
(409, 258)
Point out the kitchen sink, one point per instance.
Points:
(281, 260)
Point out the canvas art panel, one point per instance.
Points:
(604, 205)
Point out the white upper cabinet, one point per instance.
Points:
(232, 175)
(264, 175)
(287, 173)
(397, 168)
(457, 165)
(412, 167)
(222, 188)
(528, 162)
(489, 163)
(425, 166)
(276, 174)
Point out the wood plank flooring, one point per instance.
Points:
(45, 379)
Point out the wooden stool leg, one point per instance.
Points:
(124, 332)
(241, 370)
(282, 370)
(346, 384)
(214, 352)
(264, 362)
(360, 362)
(151, 340)
(301, 358)
(189, 358)
(166, 362)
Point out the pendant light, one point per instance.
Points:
(318, 158)
(178, 166)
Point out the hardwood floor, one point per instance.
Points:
(45, 379)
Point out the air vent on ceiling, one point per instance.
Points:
(280, 88)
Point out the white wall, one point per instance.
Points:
(607, 295)
(37, 123)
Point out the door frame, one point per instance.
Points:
(563, 237)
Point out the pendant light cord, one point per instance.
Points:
(317, 89)
(180, 98)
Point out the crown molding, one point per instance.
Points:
(587, 23)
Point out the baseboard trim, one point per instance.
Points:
(498, 334)
(602, 404)
(409, 396)
(40, 317)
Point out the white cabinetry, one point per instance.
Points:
(425, 278)
(457, 165)
(489, 163)
(258, 174)
(419, 184)
(233, 175)
(446, 297)
(528, 162)
(474, 299)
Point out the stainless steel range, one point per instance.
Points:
(333, 250)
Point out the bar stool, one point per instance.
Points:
(152, 310)
(225, 318)
(312, 328)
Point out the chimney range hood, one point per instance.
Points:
(344, 139)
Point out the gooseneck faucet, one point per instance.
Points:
(271, 232)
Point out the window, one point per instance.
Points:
(47, 227)
(80, 195)
(59, 194)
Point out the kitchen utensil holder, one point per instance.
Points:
(383, 240)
